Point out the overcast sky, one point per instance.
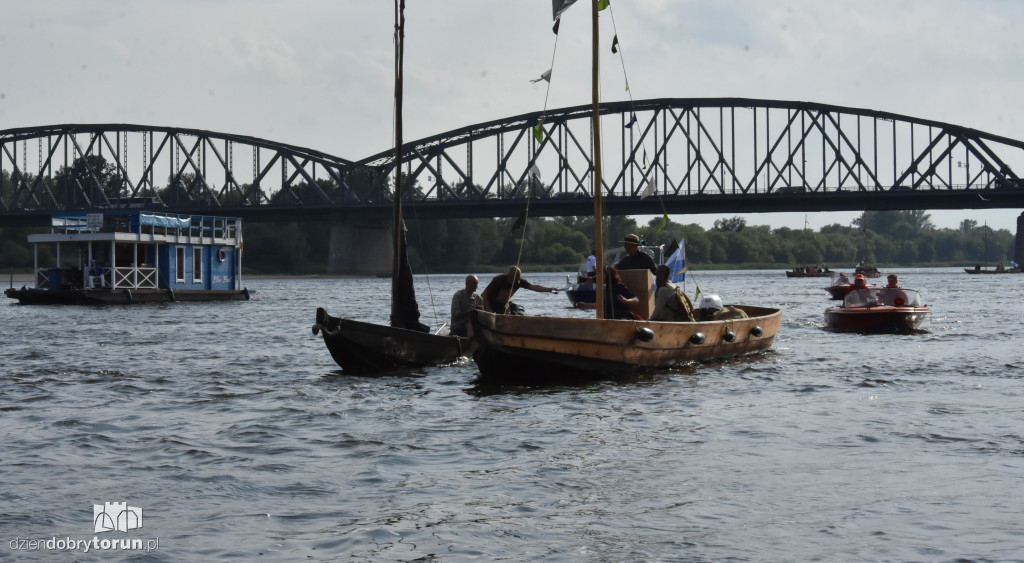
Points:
(318, 73)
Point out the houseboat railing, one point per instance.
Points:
(131, 277)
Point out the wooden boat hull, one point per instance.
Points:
(362, 348)
(992, 271)
(32, 296)
(792, 274)
(523, 350)
(882, 319)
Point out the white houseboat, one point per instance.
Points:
(135, 257)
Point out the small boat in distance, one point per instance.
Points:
(131, 256)
(882, 310)
(809, 272)
(998, 269)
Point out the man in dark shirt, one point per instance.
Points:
(499, 292)
(634, 259)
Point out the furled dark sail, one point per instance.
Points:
(406, 313)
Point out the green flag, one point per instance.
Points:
(664, 223)
(602, 4)
(538, 131)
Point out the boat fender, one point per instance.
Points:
(316, 328)
(170, 295)
(899, 301)
(245, 292)
(756, 331)
(128, 296)
(697, 338)
(644, 334)
(222, 255)
(729, 336)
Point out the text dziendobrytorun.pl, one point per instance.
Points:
(85, 546)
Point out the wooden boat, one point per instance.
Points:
(133, 256)
(809, 273)
(362, 347)
(999, 269)
(523, 350)
(882, 310)
(867, 271)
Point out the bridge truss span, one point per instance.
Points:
(103, 166)
(717, 155)
(697, 155)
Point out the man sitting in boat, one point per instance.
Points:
(893, 282)
(464, 302)
(634, 259)
(859, 282)
(96, 275)
(669, 303)
(622, 299)
(842, 279)
(498, 294)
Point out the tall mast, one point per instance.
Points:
(598, 213)
(397, 226)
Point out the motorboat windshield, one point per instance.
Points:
(893, 297)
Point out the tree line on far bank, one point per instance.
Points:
(884, 238)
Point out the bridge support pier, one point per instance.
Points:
(361, 249)
(1018, 246)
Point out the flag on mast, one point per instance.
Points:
(677, 264)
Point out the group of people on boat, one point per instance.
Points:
(811, 269)
(670, 303)
(496, 298)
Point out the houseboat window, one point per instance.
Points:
(197, 264)
(179, 266)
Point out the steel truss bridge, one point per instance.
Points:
(678, 155)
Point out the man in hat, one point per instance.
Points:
(634, 259)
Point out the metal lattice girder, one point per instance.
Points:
(699, 155)
(142, 162)
(723, 146)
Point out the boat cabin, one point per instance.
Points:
(140, 253)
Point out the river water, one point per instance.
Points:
(232, 429)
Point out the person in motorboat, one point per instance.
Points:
(498, 294)
(464, 302)
(859, 282)
(634, 259)
(893, 282)
(842, 279)
(670, 304)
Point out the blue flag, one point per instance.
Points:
(677, 264)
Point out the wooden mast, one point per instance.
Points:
(596, 117)
(397, 225)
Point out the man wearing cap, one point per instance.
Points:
(634, 259)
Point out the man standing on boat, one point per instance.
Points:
(634, 259)
(498, 294)
(464, 302)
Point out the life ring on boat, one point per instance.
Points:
(899, 301)
(222, 255)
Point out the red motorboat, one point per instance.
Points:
(881, 310)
